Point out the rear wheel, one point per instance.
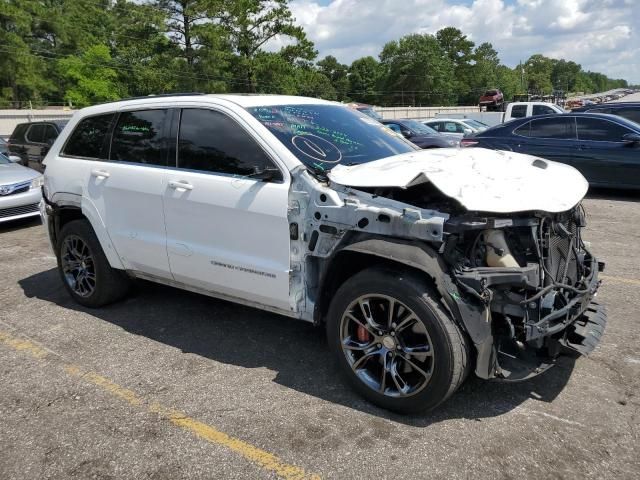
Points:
(394, 342)
(84, 269)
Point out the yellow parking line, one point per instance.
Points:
(260, 457)
(630, 281)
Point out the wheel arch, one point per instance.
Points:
(69, 208)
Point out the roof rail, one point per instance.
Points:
(159, 95)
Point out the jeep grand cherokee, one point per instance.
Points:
(422, 265)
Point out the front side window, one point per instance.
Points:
(139, 138)
(323, 136)
(631, 113)
(596, 129)
(89, 138)
(519, 111)
(210, 141)
(555, 127)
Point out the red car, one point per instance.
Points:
(492, 99)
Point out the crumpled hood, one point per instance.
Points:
(11, 173)
(480, 179)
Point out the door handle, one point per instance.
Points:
(100, 173)
(180, 185)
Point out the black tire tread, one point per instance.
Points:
(111, 284)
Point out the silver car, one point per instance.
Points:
(20, 191)
(456, 127)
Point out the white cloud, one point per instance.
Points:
(601, 35)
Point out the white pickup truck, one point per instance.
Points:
(422, 264)
(513, 110)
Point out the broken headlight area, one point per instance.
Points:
(536, 281)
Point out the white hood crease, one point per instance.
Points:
(479, 179)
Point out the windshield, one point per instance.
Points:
(3, 159)
(323, 136)
(419, 128)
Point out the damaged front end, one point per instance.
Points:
(535, 282)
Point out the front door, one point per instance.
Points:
(226, 231)
(604, 156)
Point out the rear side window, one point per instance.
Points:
(36, 133)
(139, 137)
(212, 142)
(542, 110)
(559, 127)
(596, 129)
(18, 134)
(89, 139)
(519, 111)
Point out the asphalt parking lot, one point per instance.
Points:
(170, 385)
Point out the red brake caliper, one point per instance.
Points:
(363, 335)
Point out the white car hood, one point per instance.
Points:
(480, 179)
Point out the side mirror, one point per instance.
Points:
(467, 131)
(265, 174)
(631, 138)
(406, 133)
(14, 158)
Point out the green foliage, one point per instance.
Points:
(88, 51)
(89, 78)
(415, 68)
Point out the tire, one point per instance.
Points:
(436, 374)
(99, 284)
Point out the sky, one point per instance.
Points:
(601, 35)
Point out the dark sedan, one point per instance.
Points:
(604, 148)
(420, 134)
(628, 110)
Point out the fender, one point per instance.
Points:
(469, 314)
(90, 212)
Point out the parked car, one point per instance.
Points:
(512, 110)
(628, 110)
(309, 209)
(492, 99)
(31, 141)
(455, 127)
(366, 109)
(20, 191)
(604, 148)
(420, 134)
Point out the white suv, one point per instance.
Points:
(421, 264)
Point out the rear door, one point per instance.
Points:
(603, 155)
(35, 145)
(226, 231)
(123, 159)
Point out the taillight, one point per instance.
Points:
(467, 142)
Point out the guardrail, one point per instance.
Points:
(421, 113)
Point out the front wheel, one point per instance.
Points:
(394, 342)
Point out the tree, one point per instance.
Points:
(251, 24)
(20, 67)
(417, 72)
(337, 73)
(538, 69)
(89, 78)
(564, 75)
(459, 49)
(484, 71)
(364, 75)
